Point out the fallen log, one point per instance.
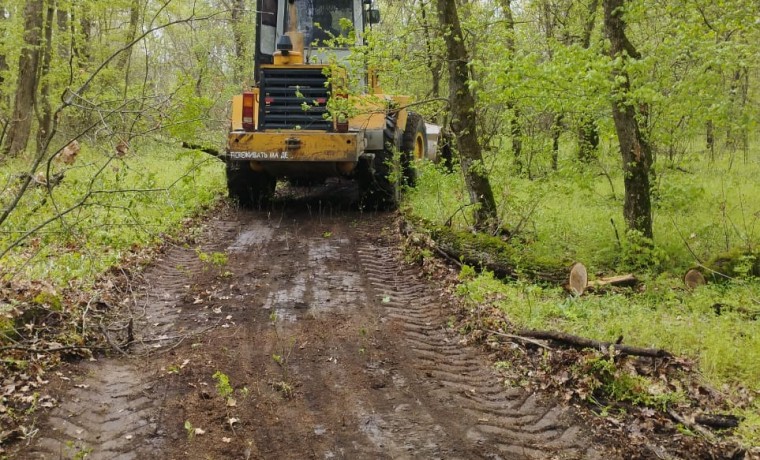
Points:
(628, 280)
(506, 260)
(491, 253)
(575, 341)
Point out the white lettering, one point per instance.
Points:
(259, 155)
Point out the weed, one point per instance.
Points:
(284, 388)
(223, 387)
(620, 385)
(213, 259)
(190, 429)
(80, 452)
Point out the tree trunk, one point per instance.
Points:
(634, 148)
(588, 132)
(588, 138)
(20, 126)
(81, 38)
(556, 131)
(710, 138)
(46, 112)
(434, 65)
(3, 35)
(3, 68)
(134, 22)
(237, 14)
(515, 129)
(62, 20)
(464, 118)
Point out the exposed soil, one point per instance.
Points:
(334, 347)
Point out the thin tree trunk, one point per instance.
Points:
(588, 132)
(134, 21)
(634, 148)
(515, 131)
(435, 66)
(237, 14)
(464, 118)
(64, 43)
(44, 97)
(556, 130)
(3, 35)
(710, 138)
(515, 128)
(81, 38)
(20, 127)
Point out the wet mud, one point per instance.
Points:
(331, 344)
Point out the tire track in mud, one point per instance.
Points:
(505, 422)
(107, 415)
(324, 306)
(111, 412)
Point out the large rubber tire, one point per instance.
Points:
(378, 188)
(413, 146)
(249, 188)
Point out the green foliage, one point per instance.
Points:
(49, 299)
(223, 387)
(213, 259)
(639, 252)
(621, 385)
(114, 205)
(190, 429)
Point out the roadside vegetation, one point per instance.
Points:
(619, 134)
(571, 216)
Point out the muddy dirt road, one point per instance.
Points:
(333, 347)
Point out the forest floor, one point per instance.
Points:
(301, 332)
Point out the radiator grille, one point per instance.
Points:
(293, 99)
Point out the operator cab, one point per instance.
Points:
(324, 24)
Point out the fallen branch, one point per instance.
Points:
(691, 425)
(210, 150)
(522, 339)
(49, 350)
(575, 341)
(718, 421)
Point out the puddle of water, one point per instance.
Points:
(258, 235)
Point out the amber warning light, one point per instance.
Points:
(248, 103)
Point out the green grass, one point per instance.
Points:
(702, 208)
(567, 214)
(111, 205)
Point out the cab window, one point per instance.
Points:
(321, 21)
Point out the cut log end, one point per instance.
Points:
(578, 279)
(694, 278)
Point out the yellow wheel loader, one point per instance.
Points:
(299, 123)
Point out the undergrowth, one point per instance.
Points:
(702, 208)
(103, 207)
